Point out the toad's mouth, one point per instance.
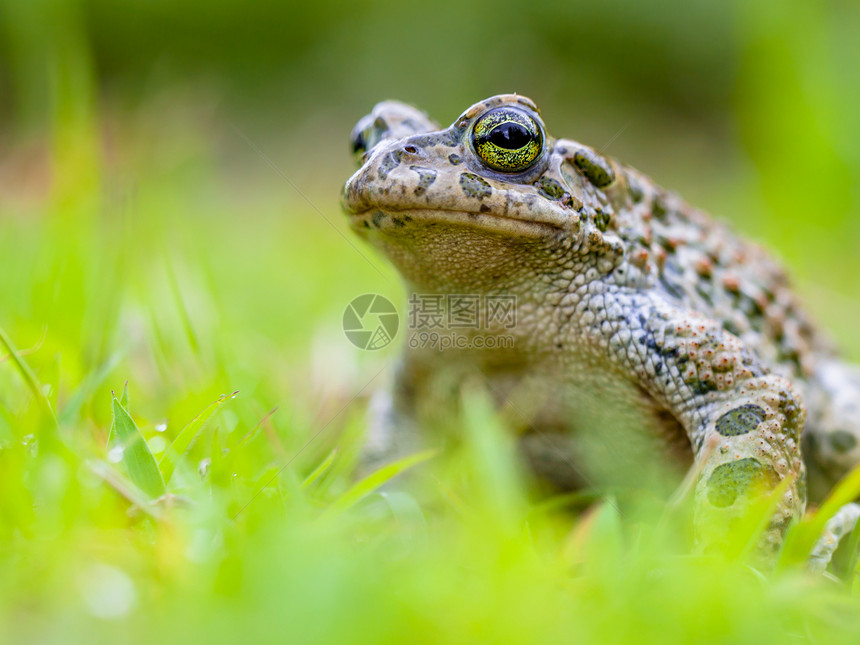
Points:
(393, 221)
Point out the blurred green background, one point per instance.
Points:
(169, 201)
(747, 110)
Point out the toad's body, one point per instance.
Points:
(632, 308)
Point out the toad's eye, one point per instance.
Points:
(507, 139)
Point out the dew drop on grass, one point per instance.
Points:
(157, 444)
(115, 454)
(30, 442)
(203, 466)
(161, 427)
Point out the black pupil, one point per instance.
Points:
(510, 136)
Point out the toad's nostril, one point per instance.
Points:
(358, 143)
(410, 149)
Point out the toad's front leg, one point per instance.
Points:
(743, 422)
(748, 441)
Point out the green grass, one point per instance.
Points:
(180, 412)
(241, 405)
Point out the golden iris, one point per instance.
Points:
(507, 139)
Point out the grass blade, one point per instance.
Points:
(138, 460)
(29, 377)
(800, 541)
(124, 403)
(752, 526)
(320, 470)
(116, 481)
(180, 445)
(376, 479)
(92, 382)
(846, 560)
